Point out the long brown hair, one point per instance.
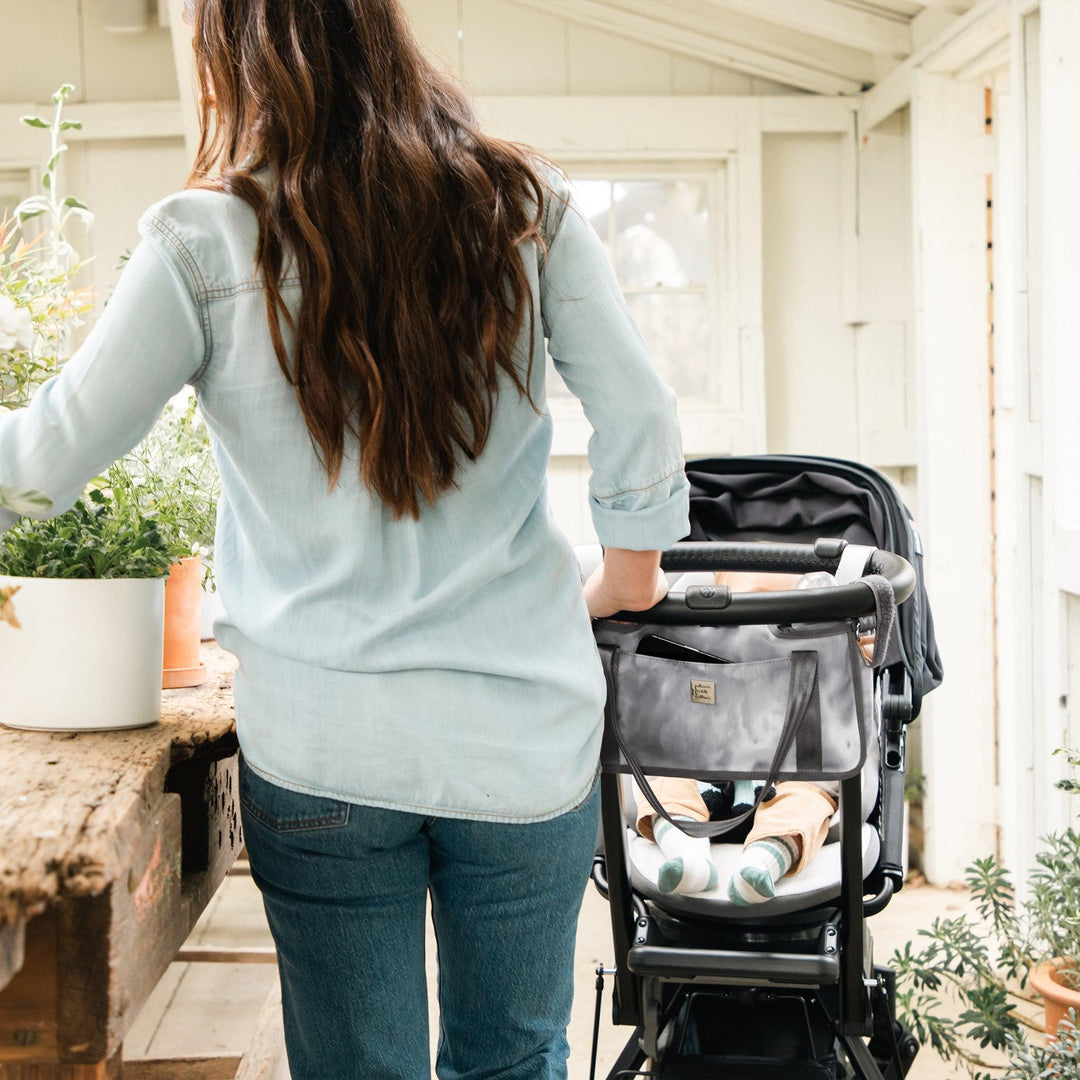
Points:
(401, 218)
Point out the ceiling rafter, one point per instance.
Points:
(713, 40)
(857, 28)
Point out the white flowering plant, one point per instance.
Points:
(40, 302)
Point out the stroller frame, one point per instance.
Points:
(672, 969)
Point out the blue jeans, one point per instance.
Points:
(345, 886)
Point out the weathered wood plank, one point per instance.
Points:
(74, 805)
(251, 955)
(188, 1068)
(267, 1045)
(12, 942)
(28, 1018)
(148, 922)
(105, 1070)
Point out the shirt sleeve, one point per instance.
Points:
(147, 344)
(638, 492)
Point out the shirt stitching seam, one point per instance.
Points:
(225, 291)
(645, 487)
(199, 283)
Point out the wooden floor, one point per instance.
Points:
(212, 1008)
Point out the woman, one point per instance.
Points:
(359, 284)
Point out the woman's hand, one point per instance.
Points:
(625, 581)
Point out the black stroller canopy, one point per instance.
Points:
(799, 499)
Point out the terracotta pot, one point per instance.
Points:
(1058, 998)
(183, 621)
(87, 655)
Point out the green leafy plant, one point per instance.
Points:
(965, 990)
(171, 477)
(40, 303)
(94, 539)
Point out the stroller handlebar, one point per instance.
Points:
(718, 605)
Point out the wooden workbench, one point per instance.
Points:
(111, 844)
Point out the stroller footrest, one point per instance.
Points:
(734, 967)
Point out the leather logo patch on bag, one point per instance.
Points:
(702, 692)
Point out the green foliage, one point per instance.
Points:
(1058, 1060)
(959, 987)
(94, 539)
(172, 478)
(40, 304)
(915, 786)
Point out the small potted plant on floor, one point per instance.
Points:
(972, 989)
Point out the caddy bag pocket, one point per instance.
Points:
(732, 721)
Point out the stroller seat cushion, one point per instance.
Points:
(817, 884)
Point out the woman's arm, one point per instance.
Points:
(625, 581)
(147, 344)
(638, 492)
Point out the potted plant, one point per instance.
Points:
(171, 478)
(988, 972)
(90, 582)
(91, 597)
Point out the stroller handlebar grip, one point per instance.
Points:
(718, 605)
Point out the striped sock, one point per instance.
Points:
(689, 867)
(763, 864)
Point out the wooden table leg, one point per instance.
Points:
(105, 1070)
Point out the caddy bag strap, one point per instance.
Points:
(884, 615)
(800, 695)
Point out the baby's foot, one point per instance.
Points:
(763, 864)
(688, 868)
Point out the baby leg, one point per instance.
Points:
(688, 866)
(788, 832)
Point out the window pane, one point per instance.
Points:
(594, 197)
(662, 232)
(679, 332)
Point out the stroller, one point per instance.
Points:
(767, 686)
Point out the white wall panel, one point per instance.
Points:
(125, 67)
(809, 352)
(513, 50)
(602, 63)
(46, 50)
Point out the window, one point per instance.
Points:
(663, 232)
(14, 187)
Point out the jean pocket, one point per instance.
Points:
(285, 810)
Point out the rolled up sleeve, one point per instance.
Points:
(638, 492)
(147, 344)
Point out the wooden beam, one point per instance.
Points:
(948, 164)
(188, 1068)
(857, 28)
(267, 1046)
(108, 120)
(968, 37)
(252, 955)
(798, 114)
(709, 40)
(184, 58)
(1059, 94)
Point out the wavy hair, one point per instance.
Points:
(401, 218)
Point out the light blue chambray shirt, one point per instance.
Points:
(446, 665)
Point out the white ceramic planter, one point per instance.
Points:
(88, 656)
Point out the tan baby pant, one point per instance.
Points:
(799, 810)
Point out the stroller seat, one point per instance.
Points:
(816, 885)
